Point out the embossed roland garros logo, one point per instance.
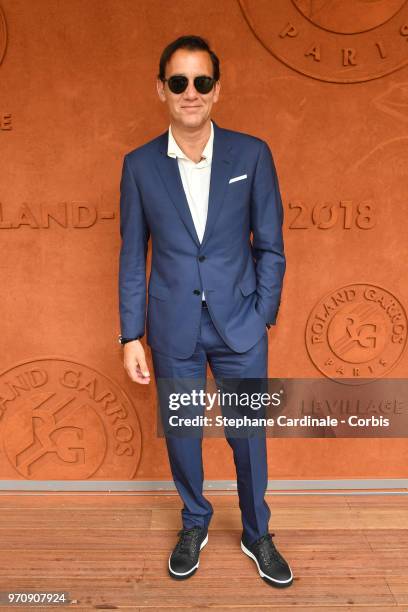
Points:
(357, 331)
(342, 41)
(3, 35)
(64, 420)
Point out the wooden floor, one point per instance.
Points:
(110, 551)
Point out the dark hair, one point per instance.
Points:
(192, 43)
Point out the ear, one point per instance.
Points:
(217, 88)
(160, 90)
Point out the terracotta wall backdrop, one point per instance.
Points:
(326, 84)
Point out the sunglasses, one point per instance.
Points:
(178, 83)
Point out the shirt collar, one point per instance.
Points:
(173, 150)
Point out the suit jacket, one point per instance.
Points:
(242, 280)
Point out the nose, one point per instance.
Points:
(190, 92)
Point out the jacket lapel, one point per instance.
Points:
(220, 172)
(170, 173)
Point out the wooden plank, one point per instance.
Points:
(282, 518)
(124, 537)
(376, 518)
(57, 564)
(385, 539)
(125, 499)
(399, 588)
(67, 519)
(213, 591)
(377, 501)
(230, 562)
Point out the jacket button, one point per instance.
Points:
(197, 292)
(201, 258)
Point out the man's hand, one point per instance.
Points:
(134, 360)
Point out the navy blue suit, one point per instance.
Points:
(242, 281)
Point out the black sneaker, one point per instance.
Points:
(272, 567)
(183, 561)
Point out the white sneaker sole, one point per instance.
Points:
(261, 573)
(203, 543)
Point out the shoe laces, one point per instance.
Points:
(188, 540)
(267, 550)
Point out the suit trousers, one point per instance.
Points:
(249, 453)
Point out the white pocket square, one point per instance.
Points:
(238, 178)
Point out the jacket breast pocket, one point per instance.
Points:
(158, 291)
(248, 285)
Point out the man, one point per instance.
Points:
(199, 191)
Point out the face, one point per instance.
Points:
(190, 108)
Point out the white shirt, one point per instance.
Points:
(196, 180)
